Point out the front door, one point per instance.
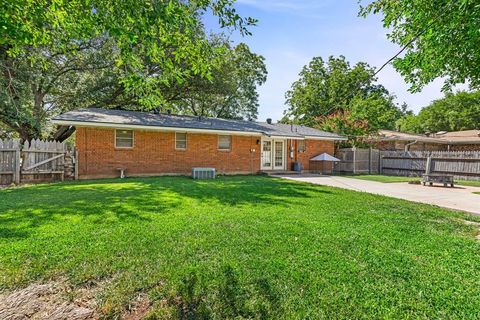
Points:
(273, 154)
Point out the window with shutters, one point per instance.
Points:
(123, 138)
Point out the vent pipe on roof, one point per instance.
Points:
(269, 120)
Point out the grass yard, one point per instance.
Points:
(392, 179)
(242, 247)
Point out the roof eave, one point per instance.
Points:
(337, 138)
(152, 128)
(98, 124)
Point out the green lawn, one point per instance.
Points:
(243, 247)
(391, 179)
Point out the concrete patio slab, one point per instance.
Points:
(458, 198)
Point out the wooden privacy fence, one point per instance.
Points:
(354, 160)
(460, 164)
(9, 161)
(35, 161)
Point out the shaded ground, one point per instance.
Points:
(236, 247)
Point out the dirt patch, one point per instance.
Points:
(138, 308)
(472, 223)
(58, 300)
(476, 224)
(54, 300)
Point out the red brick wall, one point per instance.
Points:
(154, 153)
(312, 148)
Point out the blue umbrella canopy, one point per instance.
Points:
(325, 157)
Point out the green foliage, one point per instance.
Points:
(328, 94)
(62, 55)
(379, 110)
(454, 112)
(345, 123)
(325, 87)
(59, 81)
(441, 38)
(163, 31)
(230, 92)
(241, 247)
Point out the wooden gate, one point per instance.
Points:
(42, 160)
(35, 161)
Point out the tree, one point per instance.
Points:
(64, 55)
(59, 81)
(324, 88)
(160, 31)
(363, 117)
(343, 122)
(455, 112)
(379, 110)
(231, 91)
(440, 39)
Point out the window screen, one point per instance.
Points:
(180, 140)
(224, 142)
(123, 138)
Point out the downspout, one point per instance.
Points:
(407, 146)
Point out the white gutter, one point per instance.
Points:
(326, 138)
(150, 128)
(284, 137)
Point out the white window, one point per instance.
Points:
(224, 142)
(123, 138)
(181, 140)
(301, 145)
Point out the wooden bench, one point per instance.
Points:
(437, 178)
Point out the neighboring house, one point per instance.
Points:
(468, 140)
(153, 144)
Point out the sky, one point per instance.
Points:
(291, 32)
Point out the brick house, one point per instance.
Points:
(467, 140)
(155, 144)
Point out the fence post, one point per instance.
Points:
(380, 163)
(17, 165)
(428, 165)
(75, 159)
(370, 160)
(354, 149)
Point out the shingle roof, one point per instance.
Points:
(455, 137)
(135, 118)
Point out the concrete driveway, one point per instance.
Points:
(459, 198)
